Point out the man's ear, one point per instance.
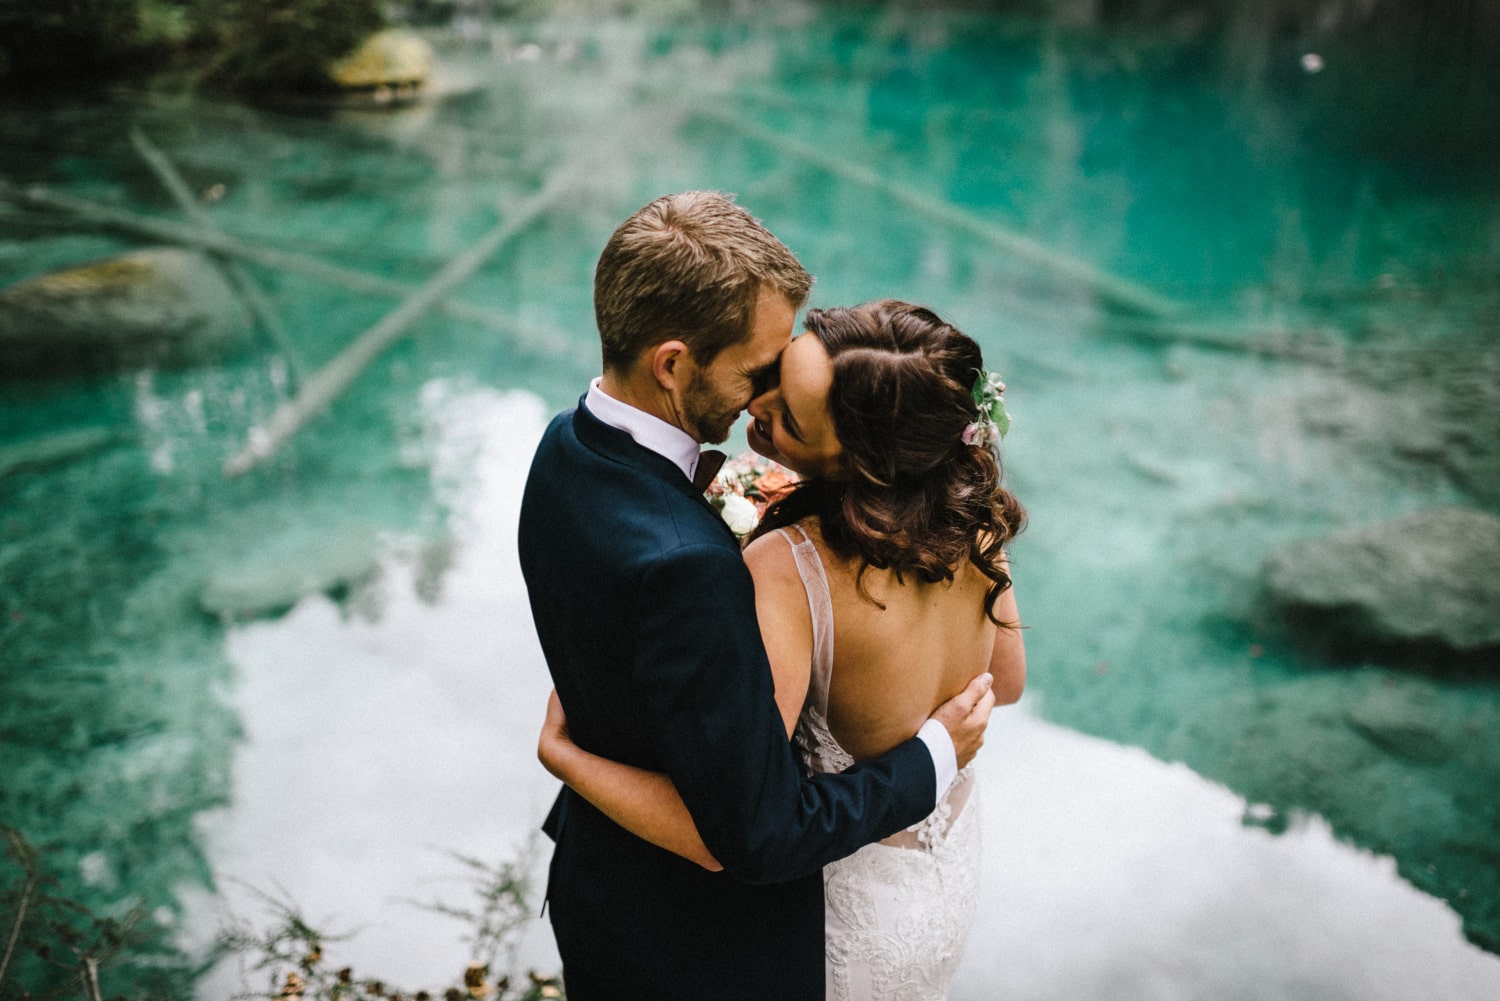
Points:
(666, 364)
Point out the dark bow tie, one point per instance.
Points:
(710, 461)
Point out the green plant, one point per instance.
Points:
(68, 40)
(55, 945)
(288, 955)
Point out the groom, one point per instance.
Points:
(646, 615)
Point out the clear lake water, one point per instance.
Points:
(1179, 251)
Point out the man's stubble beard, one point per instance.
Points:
(707, 416)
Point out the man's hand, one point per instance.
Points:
(554, 740)
(965, 717)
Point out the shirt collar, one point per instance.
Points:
(666, 440)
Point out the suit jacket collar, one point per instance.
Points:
(615, 444)
(647, 429)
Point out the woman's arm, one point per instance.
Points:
(646, 803)
(1008, 658)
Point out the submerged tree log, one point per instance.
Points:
(325, 385)
(244, 283)
(218, 242)
(59, 446)
(1114, 291)
(1309, 344)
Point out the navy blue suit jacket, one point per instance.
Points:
(646, 615)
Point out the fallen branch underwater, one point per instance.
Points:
(1312, 345)
(254, 297)
(1111, 289)
(56, 446)
(325, 385)
(218, 242)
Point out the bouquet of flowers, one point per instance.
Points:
(744, 487)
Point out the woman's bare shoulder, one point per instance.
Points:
(770, 557)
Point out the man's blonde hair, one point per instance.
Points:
(688, 267)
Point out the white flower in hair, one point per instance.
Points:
(993, 422)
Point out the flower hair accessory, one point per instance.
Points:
(993, 422)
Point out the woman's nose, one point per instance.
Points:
(757, 406)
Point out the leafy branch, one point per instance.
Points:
(290, 953)
(56, 946)
(57, 933)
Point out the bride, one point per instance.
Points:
(882, 586)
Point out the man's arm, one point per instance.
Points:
(706, 689)
(646, 803)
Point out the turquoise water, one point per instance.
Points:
(1181, 254)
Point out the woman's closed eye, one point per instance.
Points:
(788, 421)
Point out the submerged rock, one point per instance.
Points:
(1424, 587)
(163, 306)
(1435, 404)
(284, 570)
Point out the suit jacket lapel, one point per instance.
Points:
(616, 444)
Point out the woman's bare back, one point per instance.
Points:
(893, 666)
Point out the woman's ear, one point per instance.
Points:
(667, 359)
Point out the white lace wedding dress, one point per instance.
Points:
(898, 911)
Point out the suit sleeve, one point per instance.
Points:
(708, 693)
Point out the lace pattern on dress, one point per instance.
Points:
(896, 920)
(820, 752)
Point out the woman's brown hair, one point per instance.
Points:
(910, 495)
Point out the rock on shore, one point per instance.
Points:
(1424, 587)
(158, 306)
(389, 65)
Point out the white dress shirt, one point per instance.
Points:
(680, 448)
(649, 431)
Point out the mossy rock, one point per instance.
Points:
(393, 60)
(1423, 589)
(162, 306)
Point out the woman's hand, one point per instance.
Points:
(554, 741)
(644, 803)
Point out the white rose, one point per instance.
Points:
(740, 514)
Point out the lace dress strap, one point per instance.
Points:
(820, 752)
(820, 604)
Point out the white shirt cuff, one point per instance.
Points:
(944, 757)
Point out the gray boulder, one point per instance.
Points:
(1424, 587)
(163, 306)
(284, 569)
